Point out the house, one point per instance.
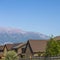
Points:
(1, 51)
(29, 49)
(9, 47)
(35, 48)
(57, 38)
(20, 49)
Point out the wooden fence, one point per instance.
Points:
(42, 58)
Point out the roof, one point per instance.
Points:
(20, 45)
(57, 38)
(10, 46)
(38, 45)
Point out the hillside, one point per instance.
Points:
(17, 35)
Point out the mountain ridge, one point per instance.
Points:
(18, 35)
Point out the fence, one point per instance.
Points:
(42, 58)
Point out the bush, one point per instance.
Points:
(11, 55)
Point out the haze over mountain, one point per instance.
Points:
(9, 35)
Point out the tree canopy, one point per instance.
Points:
(53, 48)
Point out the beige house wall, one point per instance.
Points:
(28, 52)
(19, 50)
(5, 51)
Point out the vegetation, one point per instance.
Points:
(53, 48)
(39, 54)
(11, 55)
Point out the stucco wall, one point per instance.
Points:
(28, 52)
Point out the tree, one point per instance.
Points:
(11, 55)
(53, 48)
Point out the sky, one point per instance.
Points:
(41, 16)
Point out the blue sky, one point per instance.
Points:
(31, 15)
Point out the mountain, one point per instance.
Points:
(9, 35)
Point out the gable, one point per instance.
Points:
(28, 47)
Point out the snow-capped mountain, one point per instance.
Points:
(9, 35)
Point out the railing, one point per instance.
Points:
(42, 58)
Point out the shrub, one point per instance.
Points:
(11, 55)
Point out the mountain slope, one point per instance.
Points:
(17, 35)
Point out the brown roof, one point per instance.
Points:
(38, 45)
(57, 38)
(10, 46)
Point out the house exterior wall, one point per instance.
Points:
(39, 54)
(19, 50)
(28, 53)
(5, 51)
